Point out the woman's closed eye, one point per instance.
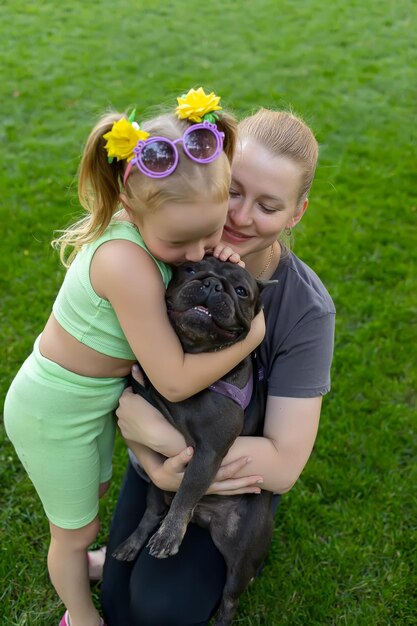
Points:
(268, 209)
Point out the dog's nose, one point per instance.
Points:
(212, 284)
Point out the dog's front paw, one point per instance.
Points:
(164, 543)
(127, 551)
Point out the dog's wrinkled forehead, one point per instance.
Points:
(211, 303)
(210, 266)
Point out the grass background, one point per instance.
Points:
(344, 544)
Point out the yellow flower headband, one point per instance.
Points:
(123, 138)
(197, 106)
(125, 135)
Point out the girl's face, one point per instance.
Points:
(263, 198)
(176, 233)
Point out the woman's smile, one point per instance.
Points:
(231, 235)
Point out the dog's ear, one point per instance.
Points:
(262, 284)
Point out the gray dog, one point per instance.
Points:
(211, 305)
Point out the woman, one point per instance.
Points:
(271, 177)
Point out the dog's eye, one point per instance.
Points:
(189, 269)
(241, 292)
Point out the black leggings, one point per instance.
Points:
(182, 590)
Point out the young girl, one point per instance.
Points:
(153, 196)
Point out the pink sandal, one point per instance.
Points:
(65, 620)
(93, 576)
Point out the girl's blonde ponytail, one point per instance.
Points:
(227, 124)
(98, 192)
(100, 183)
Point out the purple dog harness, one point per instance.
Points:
(240, 396)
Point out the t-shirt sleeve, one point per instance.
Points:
(301, 369)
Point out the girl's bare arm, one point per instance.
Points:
(125, 274)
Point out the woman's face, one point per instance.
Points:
(263, 198)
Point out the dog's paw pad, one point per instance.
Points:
(125, 552)
(161, 546)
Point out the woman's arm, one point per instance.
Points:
(168, 473)
(279, 457)
(142, 423)
(125, 274)
(290, 431)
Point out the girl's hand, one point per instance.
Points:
(225, 253)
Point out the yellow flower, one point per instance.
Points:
(197, 103)
(123, 139)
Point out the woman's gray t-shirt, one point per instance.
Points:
(297, 351)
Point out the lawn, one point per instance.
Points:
(344, 545)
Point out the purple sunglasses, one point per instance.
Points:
(157, 157)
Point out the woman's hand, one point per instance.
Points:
(142, 423)
(168, 474)
(225, 483)
(225, 253)
(129, 410)
(138, 374)
(132, 420)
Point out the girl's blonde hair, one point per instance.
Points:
(285, 134)
(100, 183)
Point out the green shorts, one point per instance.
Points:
(62, 427)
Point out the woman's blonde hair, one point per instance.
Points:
(100, 182)
(285, 134)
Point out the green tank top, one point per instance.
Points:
(86, 316)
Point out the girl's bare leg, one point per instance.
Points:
(96, 558)
(103, 487)
(68, 569)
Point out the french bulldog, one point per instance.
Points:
(211, 305)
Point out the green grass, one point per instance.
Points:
(344, 545)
